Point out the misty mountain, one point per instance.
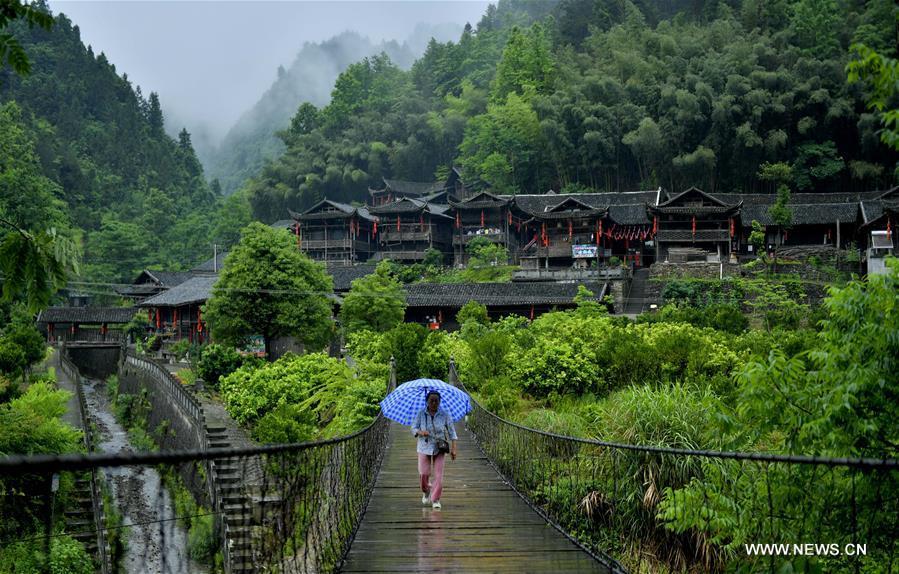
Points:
(252, 140)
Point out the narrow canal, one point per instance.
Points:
(155, 542)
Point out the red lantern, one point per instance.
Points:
(158, 319)
(532, 312)
(397, 222)
(199, 320)
(655, 225)
(694, 226)
(510, 217)
(482, 218)
(374, 229)
(570, 229)
(458, 221)
(731, 227)
(889, 230)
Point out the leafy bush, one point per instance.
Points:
(676, 416)
(180, 349)
(287, 423)
(250, 393)
(67, 556)
(405, 341)
(32, 423)
(433, 357)
(12, 357)
(217, 361)
(29, 339)
(473, 312)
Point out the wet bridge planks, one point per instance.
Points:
(483, 526)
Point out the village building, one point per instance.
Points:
(877, 229)
(694, 225)
(152, 282)
(330, 231)
(94, 324)
(408, 227)
(482, 215)
(581, 231)
(395, 189)
(177, 313)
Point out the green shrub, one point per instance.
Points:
(472, 312)
(433, 357)
(202, 544)
(180, 349)
(249, 393)
(217, 361)
(405, 341)
(67, 556)
(287, 423)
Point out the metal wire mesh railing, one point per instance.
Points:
(645, 509)
(290, 508)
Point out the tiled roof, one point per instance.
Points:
(339, 211)
(413, 187)
(207, 266)
(409, 205)
(804, 214)
(283, 224)
(496, 294)
(194, 290)
(170, 278)
(96, 315)
(344, 275)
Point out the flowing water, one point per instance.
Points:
(156, 543)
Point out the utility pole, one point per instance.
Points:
(215, 257)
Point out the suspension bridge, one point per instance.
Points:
(516, 500)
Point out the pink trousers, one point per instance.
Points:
(435, 489)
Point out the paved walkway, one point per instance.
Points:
(483, 526)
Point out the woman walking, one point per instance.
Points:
(436, 435)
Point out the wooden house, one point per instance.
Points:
(336, 232)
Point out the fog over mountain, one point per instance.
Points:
(210, 62)
(310, 78)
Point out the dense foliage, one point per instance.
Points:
(375, 302)
(100, 170)
(619, 96)
(269, 288)
(298, 398)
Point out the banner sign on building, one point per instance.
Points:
(583, 251)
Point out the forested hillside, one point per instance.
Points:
(97, 164)
(612, 95)
(252, 140)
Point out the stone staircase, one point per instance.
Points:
(237, 514)
(636, 297)
(79, 516)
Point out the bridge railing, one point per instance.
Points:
(293, 507)
(186, 401)
(646, 509)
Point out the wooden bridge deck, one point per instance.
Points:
(483, 526)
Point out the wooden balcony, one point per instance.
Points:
(687, 235)
(406, 255)
(335, 245)
(394, 236)
(464, 239)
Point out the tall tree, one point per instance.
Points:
(376, 302)
(34, 14)
(269, 288)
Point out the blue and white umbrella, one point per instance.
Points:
(409, 398)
